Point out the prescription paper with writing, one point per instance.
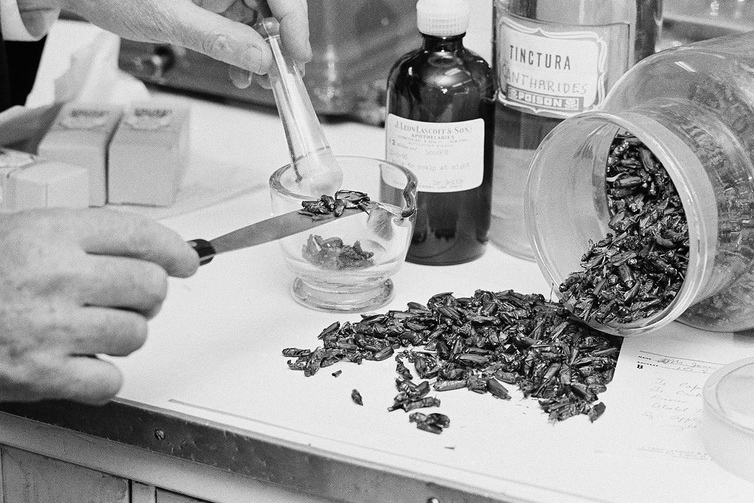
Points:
(659, 379)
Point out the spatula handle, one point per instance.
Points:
(204, 249)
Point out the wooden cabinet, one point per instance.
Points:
(30, 478)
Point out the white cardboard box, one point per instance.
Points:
(80, 135)
(28, 182)
(148, 154)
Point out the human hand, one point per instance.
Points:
(74, 284)
(217, 28)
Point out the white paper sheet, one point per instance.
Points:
(659, 383)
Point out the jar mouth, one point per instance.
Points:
(576, 152)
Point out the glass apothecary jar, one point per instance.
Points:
(693, 107)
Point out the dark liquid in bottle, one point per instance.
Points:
(444, 82)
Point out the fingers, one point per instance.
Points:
(217, 28)
(61, 238)
(76, 331)
(228, 38)
(217, 6)
(104, 258)
(106, 232)
(96, 330)
(240, 78)
(86, 379)
(48, 334)
(294, 27)
(219, 37)
(79, 282)
(122, 283)
(58, 362)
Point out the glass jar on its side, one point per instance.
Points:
(693, 107)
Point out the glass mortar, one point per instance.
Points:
(347, 289)
(693, 107)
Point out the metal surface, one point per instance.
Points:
(277, 227)
(262, 458)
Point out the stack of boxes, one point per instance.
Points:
(94, 155)
(80, 136)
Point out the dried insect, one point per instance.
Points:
(384, 353)
(296, 352)
(448, 385)
(334, 206)
(497, 389)
(433, 423)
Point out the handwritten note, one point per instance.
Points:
(659, 380)
(675, 389)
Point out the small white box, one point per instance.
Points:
(148, 154)
(28, 182)
(80, 135)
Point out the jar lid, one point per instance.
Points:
(727, 426)
(442, 18)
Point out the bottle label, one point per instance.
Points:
(444, 156)
(555, 70)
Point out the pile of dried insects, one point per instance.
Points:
(333, 206)
(638, 268)
(479, 343)
(333, 254)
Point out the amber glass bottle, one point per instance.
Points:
(440, 124)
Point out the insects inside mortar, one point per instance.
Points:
(332, 253)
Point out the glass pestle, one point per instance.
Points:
(315, 165)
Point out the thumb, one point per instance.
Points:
(220, 38)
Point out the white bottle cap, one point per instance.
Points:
(442, 18)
